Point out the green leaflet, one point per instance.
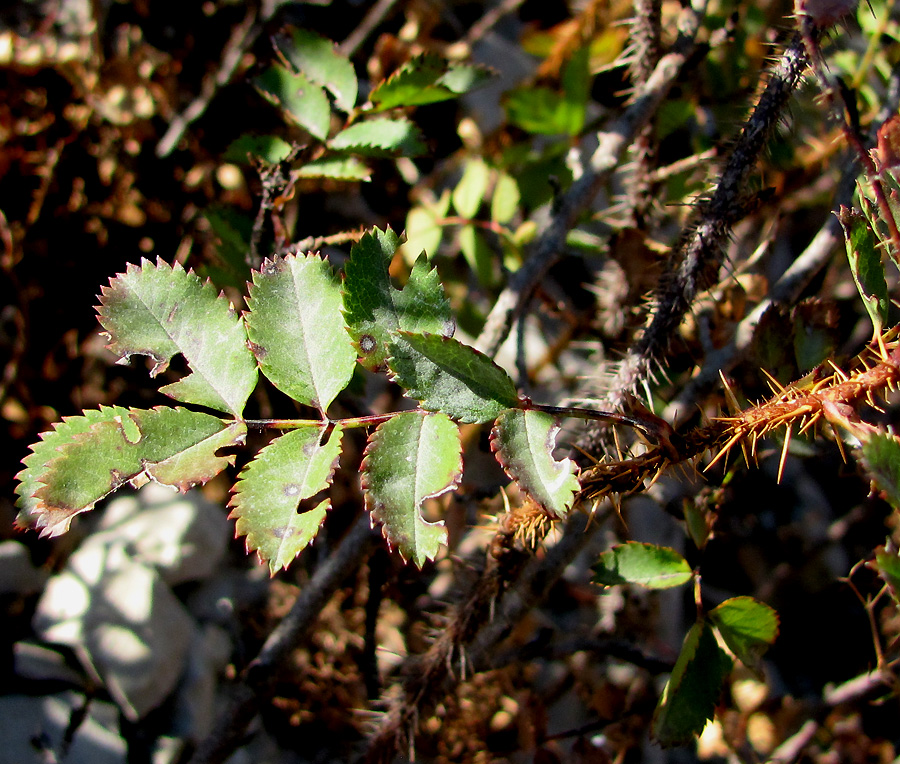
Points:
(303, 101)
(470, 191)
(427, 79)
(505, 199)
(374, 309)
(656, 567)
(887, 565)
(319, 60)
(160, 310)
(693, 689)
(748, 627)
(269, 148)
(523, 442)
(864, 254)
(478, 254)
(380, 137)
(46, 449)
(293, 467)
(412, 457)
(880, 453)
(233, 230)
(548, 112)
(297, 330)
(424, 228)
(339, 168)
(94, 456)
(447, 376)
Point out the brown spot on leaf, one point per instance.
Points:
(291, 489)
(367, 344)
(284, 532)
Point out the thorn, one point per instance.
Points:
(840, 443)
(724, 450)
(776, 386)
(649, 394)
(730, 398)
(882, 350)
(784, 451)
(619, 455)
(838, 372)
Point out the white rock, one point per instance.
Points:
(124, 624)
(17, 574)
(32, 731)
(182, 536)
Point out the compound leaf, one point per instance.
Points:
(634, 562)
(374, 309)
(749, 628)
(292, 468)
(160, 310)
(523, 442)
(412, 457)
(96, 455)
(319, 60)
(297, 330)
(380, 137)
(427, 79)
(446, 375)
(689, 698)
(302, 100)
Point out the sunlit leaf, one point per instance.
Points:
(448, 376)
(412, 457)
(749, 628)
(374, 309)
(302, 100)
(380, 137)
(320, 61)
(293, 468)
(690, 696)
(269, 148)
(336, 167)
(864, 254)
(424, 228)
(470, 191)
(92, 456)
(297, 329)
(656, 567)
(160, 310)
(505, 199)
(524, 442)
(427, 79)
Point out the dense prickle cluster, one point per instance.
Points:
(834, 396)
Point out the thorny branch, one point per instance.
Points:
(698, 260)
(613, 143)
